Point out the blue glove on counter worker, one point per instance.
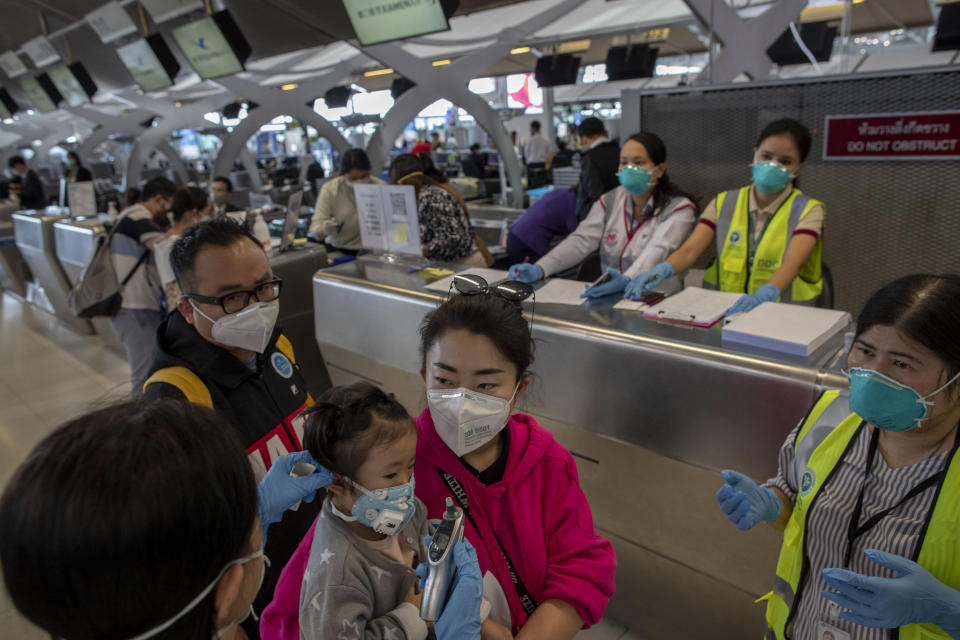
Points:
(525, 272)
(648, 280)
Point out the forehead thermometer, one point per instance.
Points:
(442, 565)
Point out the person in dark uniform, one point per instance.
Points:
(31, 189)
(221, 348)
(76, 172)
(599, 164)
(220, 191)
(474, 165)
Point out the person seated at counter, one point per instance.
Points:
(31, 189)
(474, 165)
(335, 217)
(76, 172)
(445, 232)
(768, 234)
(222, 348)
(190, 206)
(634, 226)
(526, 514)
(554, 214)
(868, 484)
(221, 190)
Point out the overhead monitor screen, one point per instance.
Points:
(213, 45)
(37, 95)
(8, 105)
(377, 21)
(68, 85)
(4, 112)
(150, 62)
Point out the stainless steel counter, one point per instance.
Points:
(651, 411)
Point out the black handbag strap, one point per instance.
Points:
(460, 495)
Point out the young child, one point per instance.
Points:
(360, 580)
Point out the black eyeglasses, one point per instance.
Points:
(238, 300)
(473, 285)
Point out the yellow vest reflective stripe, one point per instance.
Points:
(732, 272)
(818, 448)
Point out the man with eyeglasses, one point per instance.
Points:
(222, 348)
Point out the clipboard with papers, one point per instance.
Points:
(694, 307)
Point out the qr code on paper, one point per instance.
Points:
(398, 205)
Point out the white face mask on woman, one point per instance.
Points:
(203, 594)
(466, 420)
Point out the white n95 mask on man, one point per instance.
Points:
(466, 420)
(250, 328)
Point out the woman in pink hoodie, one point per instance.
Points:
(547, 573)
(527, 516)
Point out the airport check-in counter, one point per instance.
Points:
(35, 238)
(14, 272)
(652, 412)
(296, 267)
(492, 222)
(76, 242)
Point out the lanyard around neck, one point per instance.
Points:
(854, 531)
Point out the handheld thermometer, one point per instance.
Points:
(442, 565)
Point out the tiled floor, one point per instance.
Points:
(49, 374)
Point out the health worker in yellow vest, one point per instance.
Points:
(868, 486)
(767, 235)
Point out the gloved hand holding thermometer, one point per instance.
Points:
(460, 617)
(282, 487)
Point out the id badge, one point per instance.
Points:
(826, 631)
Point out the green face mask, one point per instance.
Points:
(886, 403)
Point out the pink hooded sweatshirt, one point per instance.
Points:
(538, 511)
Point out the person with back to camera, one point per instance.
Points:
(176, 554)
(335, 217)
(634, 226)
(868, 485)
(445, 232)
(359, 581)
(768, 234)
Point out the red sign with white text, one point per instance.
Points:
(931, 135)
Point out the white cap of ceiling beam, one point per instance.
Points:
(111, 22)
(41, 51)
(12, 65)
(162, 10)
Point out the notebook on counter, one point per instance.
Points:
(693, 306)
(785, 328)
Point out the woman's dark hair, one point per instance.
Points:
(430, 170)
(407, 164)
(354, 159)
(131, 197)
(121, 517)
(501, 321)
(187, 199)
(924, 308)
(799, 133)
(664, 190)
(348, 421)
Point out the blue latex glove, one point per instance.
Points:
(525, 272)
(914, 596)
(746, 302)
(745, 503)
(277, 492)
(646, 281)
(616, 284)
(460, 618)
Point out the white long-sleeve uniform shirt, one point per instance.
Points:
(628, 246)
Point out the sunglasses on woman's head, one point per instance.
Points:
(473, 285)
